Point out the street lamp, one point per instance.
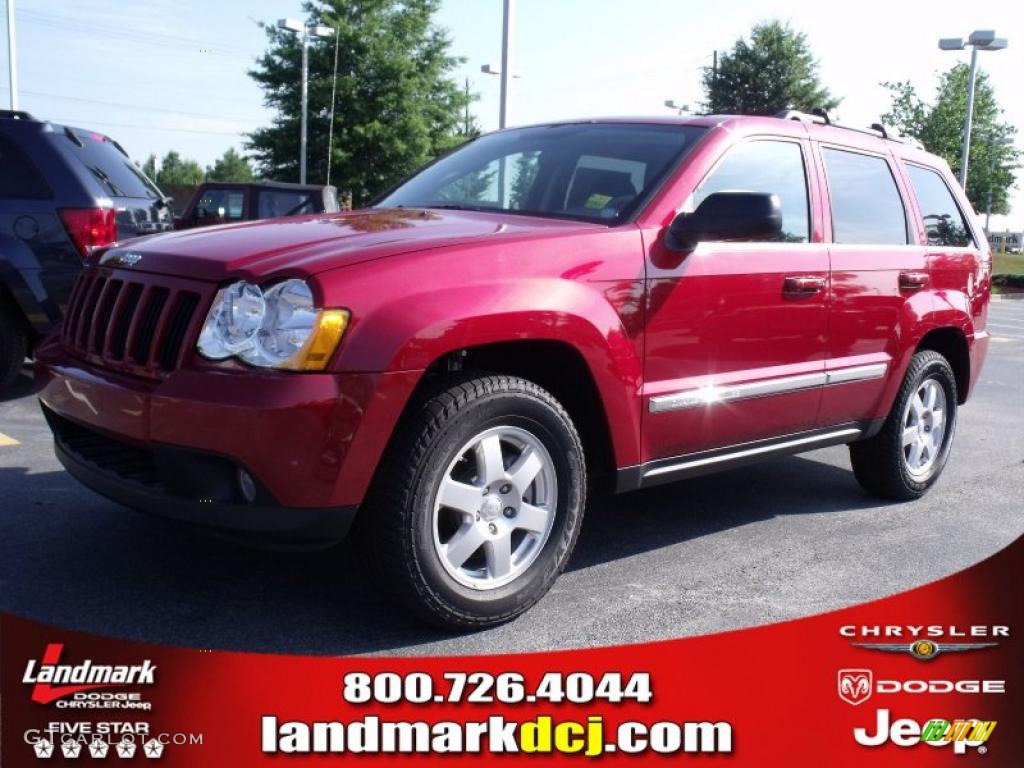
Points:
(307, 32)
(681, 109)
(12, 56)
(507, 31)
(979, 40)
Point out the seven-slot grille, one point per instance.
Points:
(126, 323)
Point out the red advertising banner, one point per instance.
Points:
(929, 677)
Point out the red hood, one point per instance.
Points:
(305, 245)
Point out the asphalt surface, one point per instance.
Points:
(788, 538)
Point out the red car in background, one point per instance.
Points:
(547, 308)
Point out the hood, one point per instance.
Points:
(305, 245)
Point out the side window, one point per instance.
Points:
(943, 221)
(770, 167)
(18, 177)
(221, 204)
(275, 202)
(866, 204)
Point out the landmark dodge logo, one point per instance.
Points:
(53, 680)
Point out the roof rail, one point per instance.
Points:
(887, 132)
(15, 114)
(818, 116)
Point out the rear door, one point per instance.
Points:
(736, 332)
(876, 271)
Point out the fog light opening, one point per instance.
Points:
(247, 486)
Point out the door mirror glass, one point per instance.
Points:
(728, 216)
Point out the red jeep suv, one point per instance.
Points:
(451, 370)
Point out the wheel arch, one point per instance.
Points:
(951, 343)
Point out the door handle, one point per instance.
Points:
(911, 281)
(803, 285)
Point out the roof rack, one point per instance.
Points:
(15, 114)
(818, 116)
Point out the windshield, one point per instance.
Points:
(590, 171)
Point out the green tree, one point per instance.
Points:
(939, 126)
(396, 105)
(149, 167)
(175, 169)
(774, 70)
(231, 166)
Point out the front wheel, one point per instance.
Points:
(477, 507)
(906, 458)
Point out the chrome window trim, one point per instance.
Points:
(713, 395)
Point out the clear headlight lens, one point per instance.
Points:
(274, 328)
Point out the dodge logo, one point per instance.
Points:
(855, 685)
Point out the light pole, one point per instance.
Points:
(12, 55)
(979, 40)
(307, 32)
(507, 33)
(680, 109)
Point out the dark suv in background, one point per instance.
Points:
(63, 193)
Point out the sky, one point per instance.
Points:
(171, 74)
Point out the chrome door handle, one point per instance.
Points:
(803, 285)
(911, 281)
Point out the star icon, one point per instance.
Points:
(98, 748)
(71, 749)
(43, 749)
(126, 749)
(154, 748)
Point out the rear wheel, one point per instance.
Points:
(908, 455)
(13, 344)
(477, 507)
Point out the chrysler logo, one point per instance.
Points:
(121, 259)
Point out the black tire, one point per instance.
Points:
(397, 523)
(880, 463)
(13, 344)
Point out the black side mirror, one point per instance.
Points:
(728, 216)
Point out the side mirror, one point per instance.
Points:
(728, 216)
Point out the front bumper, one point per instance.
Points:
(309, 443)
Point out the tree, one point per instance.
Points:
(231, 166)
(174, 169)
(149, 167)
(773, 71)
(939, 126)
(396, 106)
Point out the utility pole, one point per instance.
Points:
(507, 31)
(12, 55)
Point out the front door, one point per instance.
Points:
(736, 332)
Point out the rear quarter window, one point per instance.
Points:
(18, 176)
(113, 170)
(866, 204)
(944, 222)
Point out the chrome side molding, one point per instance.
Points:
(711, 395)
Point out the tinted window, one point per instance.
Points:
(943, 221)
(599, 172)
(279, 202)
(221, 204)
(769, 167)
(866, 205)
(111, 167)
(18, 177)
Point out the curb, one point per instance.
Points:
(1008, 296)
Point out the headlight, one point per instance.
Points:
(276, 328)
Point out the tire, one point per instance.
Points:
(411, 532)
(13, 345)
(906, 458)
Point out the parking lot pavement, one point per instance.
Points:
(788, 538)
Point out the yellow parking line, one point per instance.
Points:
(5, 440)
